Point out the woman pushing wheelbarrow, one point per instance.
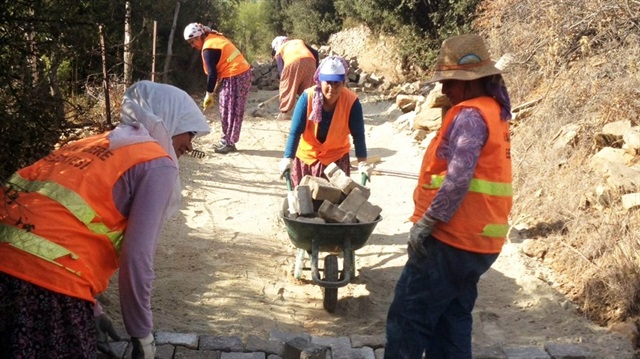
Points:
(324, 117)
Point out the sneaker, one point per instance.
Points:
(219, 144)
(225, 149)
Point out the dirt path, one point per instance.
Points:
(224, 265)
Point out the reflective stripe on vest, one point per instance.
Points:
(495, 230)
(476, 185)
(233, 55)
(36, 245)
(71, 201)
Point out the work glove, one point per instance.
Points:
(285, 165)
(366, 168)
(418, 234)
(105, 330)
(208, 101)
(143, 348)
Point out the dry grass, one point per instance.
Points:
(580, 58)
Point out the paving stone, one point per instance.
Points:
(379, 353)
(373, 341)
(340, 347)
(567, 351)
(164, 351)
(514, 352)
(285, 337)
(300, 348)
(243, 356)
(186, 353)
(488, 352)
(189, 340)
(361, 353)
(257, 344)
(225, 344)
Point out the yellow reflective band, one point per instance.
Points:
(476, 185)
(36, 245)
(66, 197)
(71, 201)
(233, 55)
(115, 237)
(495, 230)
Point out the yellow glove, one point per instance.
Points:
(208, 101)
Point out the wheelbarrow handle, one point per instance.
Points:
(364, 178)
(287, 178)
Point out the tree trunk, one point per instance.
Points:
(153, 52)
(127, 55)
(167, 60)
(105, 79)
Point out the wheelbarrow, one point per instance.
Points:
(312, 239)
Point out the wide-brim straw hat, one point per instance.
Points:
(463, 57)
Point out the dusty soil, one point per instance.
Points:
(224, 264)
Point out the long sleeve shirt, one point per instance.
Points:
(211, 59)
(461, 148)
(299, 124)
(139, 196)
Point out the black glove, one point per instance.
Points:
(418, 234)
(143, 348)
(105, 330)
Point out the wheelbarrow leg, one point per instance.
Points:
(352, 269)
(297, 270)
(330, 298)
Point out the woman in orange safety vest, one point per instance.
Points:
(462, 204)
(227, 69)
(71, 219)
(324, 117)
(297, 63)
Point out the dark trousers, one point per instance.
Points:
(434, 297)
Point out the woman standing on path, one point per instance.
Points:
(225, 68)
(461, 215)
(296, 63)
(324, 117)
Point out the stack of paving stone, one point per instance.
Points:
(337, 200)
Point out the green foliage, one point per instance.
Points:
(50, 50)
(253, 31)
(311, 20)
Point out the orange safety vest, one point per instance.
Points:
(63, 231)
(231, 62)
(293, 50)
(481, 223)
(337, 143)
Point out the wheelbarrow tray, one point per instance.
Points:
(330, 237)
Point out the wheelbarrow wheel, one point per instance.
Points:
(331, 273)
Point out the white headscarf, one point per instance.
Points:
(277, 43)
(156, 112)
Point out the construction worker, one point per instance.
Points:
(228, 71)
(462, 203)
(71, 219)
(324, 117)
(296, 62)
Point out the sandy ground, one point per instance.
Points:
(224, 264)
